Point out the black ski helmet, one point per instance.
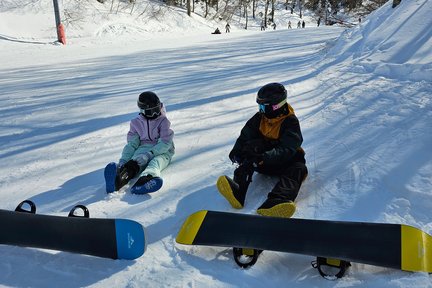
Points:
(149, 105)
(271, 99)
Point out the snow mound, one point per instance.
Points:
(392, 42)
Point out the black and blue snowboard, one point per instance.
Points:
(108, 238)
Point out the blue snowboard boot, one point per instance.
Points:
(147, 184)
(110, 174)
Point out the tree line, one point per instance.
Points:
(262, 9)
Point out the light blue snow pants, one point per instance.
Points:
(157, 164)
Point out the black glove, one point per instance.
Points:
(256, 146)
(254, 153)
(235, 158)
(132, 168)
(256, 159)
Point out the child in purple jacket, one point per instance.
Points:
(148, 151)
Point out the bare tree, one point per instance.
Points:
(300, 8)
(272, 10)
(246, 14)
(188, 7)
(133, 5)
(206, 8)
(267, 3)
(245, 5)
(254, 7)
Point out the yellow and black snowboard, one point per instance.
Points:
(395, 246)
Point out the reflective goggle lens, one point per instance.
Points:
(151, 112)
(262, 107)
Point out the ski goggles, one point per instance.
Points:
(151, 112)
(262, 106)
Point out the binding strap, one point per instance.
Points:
(31, 205)
(322, 264)
(245, 257)
(83, 208)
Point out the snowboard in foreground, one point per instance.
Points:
(108, 238)
(388, 245)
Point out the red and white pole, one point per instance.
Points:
(61, 36)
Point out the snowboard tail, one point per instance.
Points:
(389, 245)
(130, 240)
(108, 238)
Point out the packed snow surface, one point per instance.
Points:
(362, 95)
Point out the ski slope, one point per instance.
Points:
(363, 97)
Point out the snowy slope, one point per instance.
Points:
(402, 52)
(363, 97)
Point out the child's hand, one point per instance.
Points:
(121, 163)
(143, 159)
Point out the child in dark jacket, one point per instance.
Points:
(269, 143)
(148, 151)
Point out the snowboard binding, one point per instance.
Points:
(83, 208)
(20, 208)
(245, 257)
(331, 269)
(32, 210)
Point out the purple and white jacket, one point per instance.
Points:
(149, 135)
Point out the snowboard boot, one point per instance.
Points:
(110, 174)
(234, 190)
(126, 173)
(116, 177)
(277, 208)
(147, 184)
(231, 191)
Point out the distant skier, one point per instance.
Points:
(263, 27)
(217, 31)
(148, 151)
(303, 24)
(274, 26)
(319, 22)
(299, 24)
(227, 28)
(269, 143)
(289, 25)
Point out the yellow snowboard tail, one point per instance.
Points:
(190, 228)
(416, 250)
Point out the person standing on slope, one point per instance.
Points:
(148, 151)
(269, 143)
(227, 28)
